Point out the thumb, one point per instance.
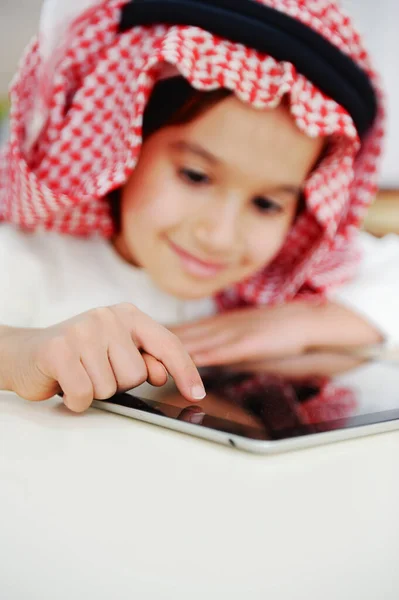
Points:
(157, 373)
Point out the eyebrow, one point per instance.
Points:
(183, 146)
(193, 148)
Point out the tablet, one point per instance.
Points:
(269, 412)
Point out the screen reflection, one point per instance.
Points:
(274, 404)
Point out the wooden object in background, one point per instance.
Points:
(383, 216)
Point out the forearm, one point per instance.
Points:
(336, 326)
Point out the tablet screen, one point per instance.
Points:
(272, 406)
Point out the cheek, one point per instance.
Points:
(267, 239)
(152, 205)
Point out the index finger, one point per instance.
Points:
(167, 348)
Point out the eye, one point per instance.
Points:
(266, 205)
(194, 177)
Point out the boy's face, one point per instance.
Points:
(211, 202)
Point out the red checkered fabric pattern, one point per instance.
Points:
(332, 404)
(76, 135)
(277, 397)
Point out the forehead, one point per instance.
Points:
(263, 142)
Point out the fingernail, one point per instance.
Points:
(198, 392)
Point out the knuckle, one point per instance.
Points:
(82, 332)
(94, 325)
(55, 347)
(102, 314)
(126, 308)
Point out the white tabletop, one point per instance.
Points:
(99, 506)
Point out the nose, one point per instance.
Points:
(217, 229)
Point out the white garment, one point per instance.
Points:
(47, 278)
(374, 293)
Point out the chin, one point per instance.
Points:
(187, 290)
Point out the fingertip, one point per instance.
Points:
(198, 392)
(75, 408)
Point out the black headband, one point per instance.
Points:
(271, 32)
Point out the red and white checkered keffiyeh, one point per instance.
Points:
(77, 108)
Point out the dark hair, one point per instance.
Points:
(173, 101)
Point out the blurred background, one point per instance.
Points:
(378, 21)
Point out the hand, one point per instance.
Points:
(288, 330)
(251, 334)
(96, 354)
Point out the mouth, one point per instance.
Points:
(196, 266)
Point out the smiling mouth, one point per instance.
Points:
(195, 266)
